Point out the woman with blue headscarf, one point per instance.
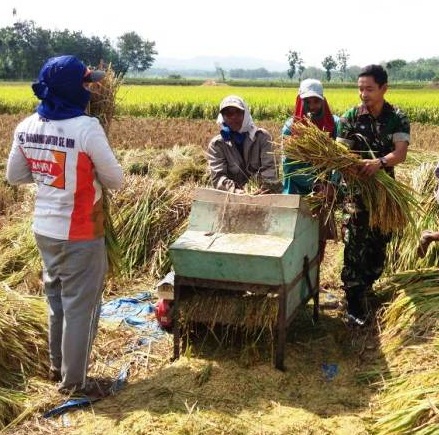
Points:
(66, 154)
(241, 152)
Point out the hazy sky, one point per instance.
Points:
(371, 31)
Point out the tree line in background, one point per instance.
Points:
(337, 66)
(334, 68)
(24, 47)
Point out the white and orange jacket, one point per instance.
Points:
(70, 160)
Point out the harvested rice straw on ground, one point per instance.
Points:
(402, 250)
(12, 403)
(391, 204)
(23, 337)
(409, 404)
(412, 317)
(409, 399)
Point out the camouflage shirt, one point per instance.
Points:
(373, 137)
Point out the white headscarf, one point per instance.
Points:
(248, 126)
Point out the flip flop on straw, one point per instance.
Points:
(424, 243)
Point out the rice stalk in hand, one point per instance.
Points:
(390, 203)
(103, 97)
(102, 105)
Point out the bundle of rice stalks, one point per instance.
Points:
(409, 405)
(409, 400)
(19, 257)
(247, 311)
(12, 403)
(150, 217)
(391, 204)
(23, 337)
(402, 250)
(413, 315)
(103, 105)
(103, 97)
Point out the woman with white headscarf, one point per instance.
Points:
(241, 151)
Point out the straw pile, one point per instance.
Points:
(150, 217)
(409, 400)
(23, 348)
(391, 204)
(19, 258)
(23, 336)
(402, 250)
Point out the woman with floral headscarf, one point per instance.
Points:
(311, 106)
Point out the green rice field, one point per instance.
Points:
(201, 102)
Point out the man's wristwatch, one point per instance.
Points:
(383, 161)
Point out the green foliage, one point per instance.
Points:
(295, 62)
(329, 64)
(135, 53)
(24, 47)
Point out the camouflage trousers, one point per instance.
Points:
(364, 252)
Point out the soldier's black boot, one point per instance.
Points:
(355, 314)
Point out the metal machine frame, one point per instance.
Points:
(183, 285)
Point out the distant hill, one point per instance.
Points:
(209, 63)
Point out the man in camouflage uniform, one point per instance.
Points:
(380, 134)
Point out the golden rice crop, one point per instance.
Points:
(391, 204)
(201, 102)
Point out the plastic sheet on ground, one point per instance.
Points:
(135, 311)
(85, 401)
(330, 371)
